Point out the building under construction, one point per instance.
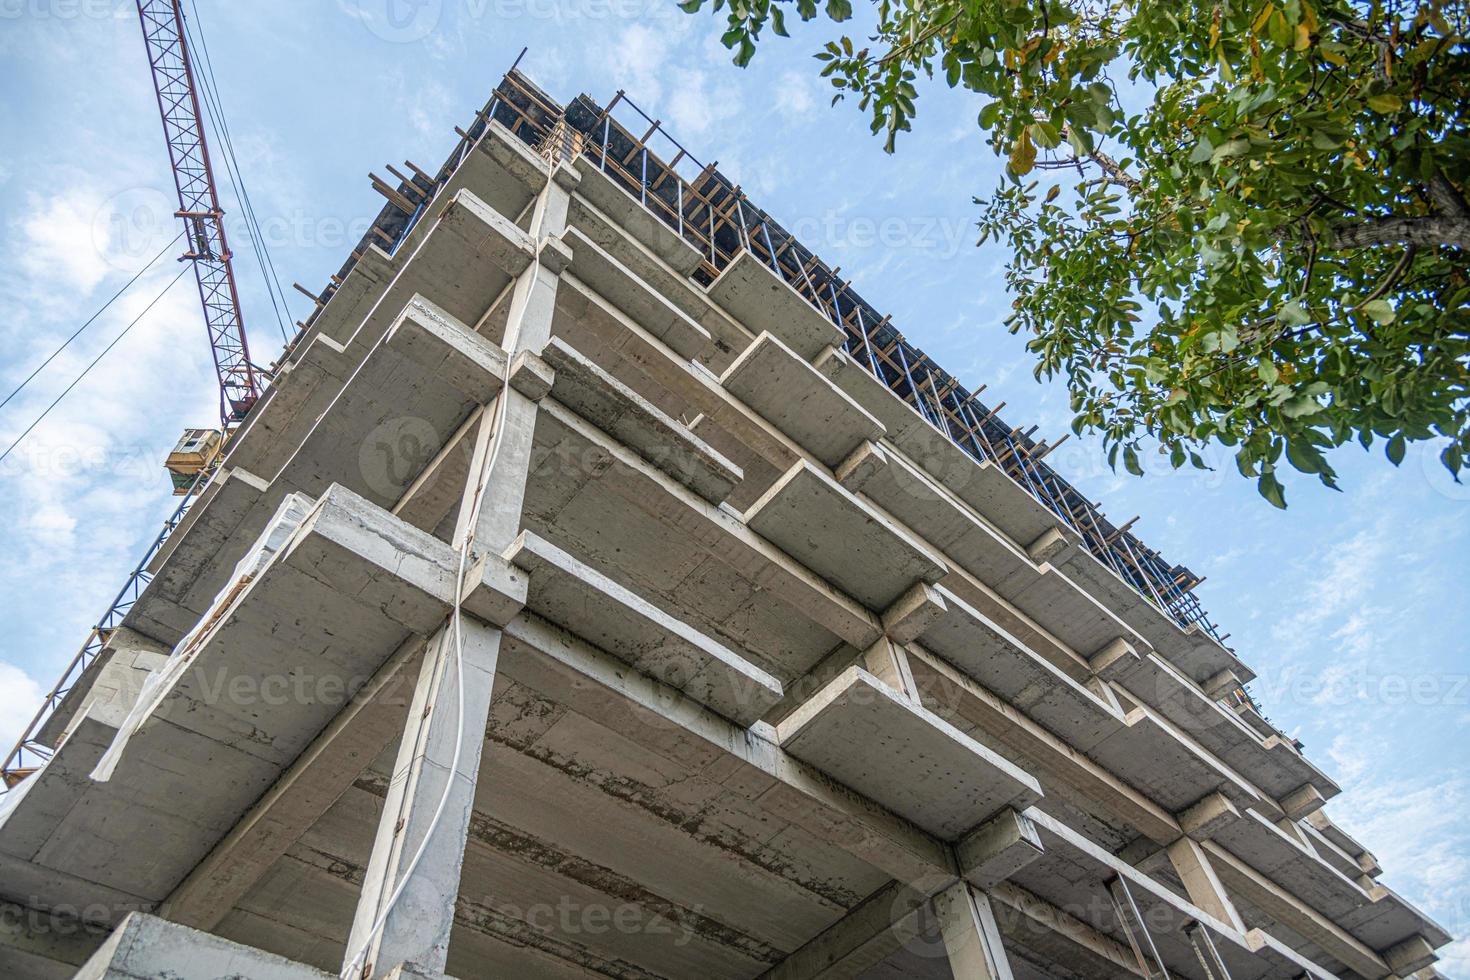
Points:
(603, 588)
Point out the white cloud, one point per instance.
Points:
(20, 696)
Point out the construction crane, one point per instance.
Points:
(208, 248)
(196, 453)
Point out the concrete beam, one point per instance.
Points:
(913, 613)
(998, 848)
(1201, 883)
(1202, 820)
(868, 737)
(571, 594)
(881, 925)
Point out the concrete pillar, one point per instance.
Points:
(413, 931)
(1201, 883)
(505, 460)
(971, 936)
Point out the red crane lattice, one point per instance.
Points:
(183, 128)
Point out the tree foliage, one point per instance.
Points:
(1233, 221)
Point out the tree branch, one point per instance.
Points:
(1426, 232)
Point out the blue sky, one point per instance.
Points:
(1352, 606)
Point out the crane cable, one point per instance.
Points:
(90, 366)
(102, 309)
(226, 141)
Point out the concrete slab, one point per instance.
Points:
(229, 713)
(993, 657)
(727, 337)
(753, 294)
(887, 477)
(900, 755)
(1073, 873)
(1292, 865)
(621, 286)
(1273, 763)
(1148, 754)
(847, 542)
(601, 399)
(634, 523)
(145, 947)
(790, 394)
(578, 598)
(632, 216)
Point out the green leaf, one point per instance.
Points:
(1395, 449)
(1385, 104)
(1130, 461)
(1271, 489)
(839, 10)
(1380, 310)
(1230, 148)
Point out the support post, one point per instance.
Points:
(1205, 951)
(413, 930)
(1150, 963)
(1201, 883)
(410, 932)
(971, 936)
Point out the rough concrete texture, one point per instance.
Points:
(765, 675)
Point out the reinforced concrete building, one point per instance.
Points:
(602, 588)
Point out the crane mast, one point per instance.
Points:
(209, 250)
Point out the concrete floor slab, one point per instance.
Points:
(1148, 755)
(629, 214)
(625, 290)
(727, 337)
(1072, 873)
(599, 398)
(993, 657)
(632, 522)
(753, 294)
(573, 595)
(789, 393)
(810, 516)
(867, 737)
(889, 479)
(233, 710)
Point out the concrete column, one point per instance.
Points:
(971, 936)
(415, 928)
(503, 461)
(1201, 883)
